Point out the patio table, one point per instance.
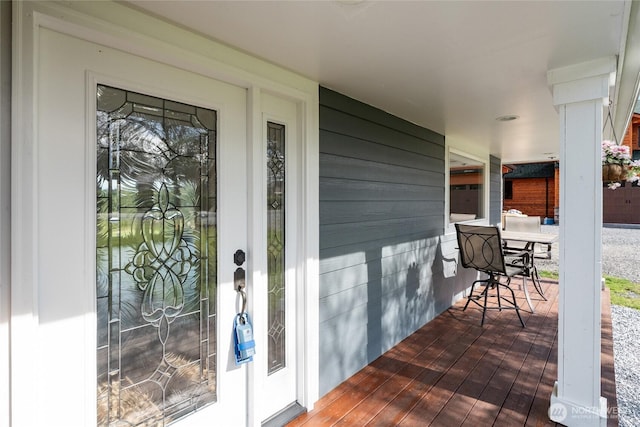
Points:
(530, 238)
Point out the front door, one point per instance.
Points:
(142, 202)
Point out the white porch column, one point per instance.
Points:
(579, 93)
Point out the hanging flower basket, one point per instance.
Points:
(613, 172)
(617, 165)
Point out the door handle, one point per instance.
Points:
(239, 278)
(239, 282)
(244, 345)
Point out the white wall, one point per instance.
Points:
(5, 208)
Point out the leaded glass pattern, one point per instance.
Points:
(156, 258)
(276, 245)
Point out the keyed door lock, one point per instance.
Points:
(239, 257)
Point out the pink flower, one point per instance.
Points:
(615, 153)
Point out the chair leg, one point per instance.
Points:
(536, 282)
(484, 307)
(490, 283)
(526, 292)
(515, 303)
(469, 296)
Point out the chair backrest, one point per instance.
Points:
(480, 248)
(531, 224)
(523, 223)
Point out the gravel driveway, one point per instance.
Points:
(620, 248)
(619, 258)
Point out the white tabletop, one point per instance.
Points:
(528, 236)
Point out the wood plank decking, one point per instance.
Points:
(452, 372)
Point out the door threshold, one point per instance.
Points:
(284, 416)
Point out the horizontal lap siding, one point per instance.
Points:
(495, 190)
(381, 227)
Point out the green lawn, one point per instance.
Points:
(623, 292)
(548, 274)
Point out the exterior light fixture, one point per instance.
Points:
(507, 118)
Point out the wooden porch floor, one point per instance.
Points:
(452, 372)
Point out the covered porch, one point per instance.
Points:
(453, 372)
(385, 102)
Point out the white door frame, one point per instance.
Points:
(142, 35)
(5, 194)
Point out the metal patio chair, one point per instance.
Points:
(531, 224)
(481, 249)
(527, 224)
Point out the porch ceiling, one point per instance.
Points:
(453, 67)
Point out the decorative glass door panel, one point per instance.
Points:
(276, 246)
(156, 258)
